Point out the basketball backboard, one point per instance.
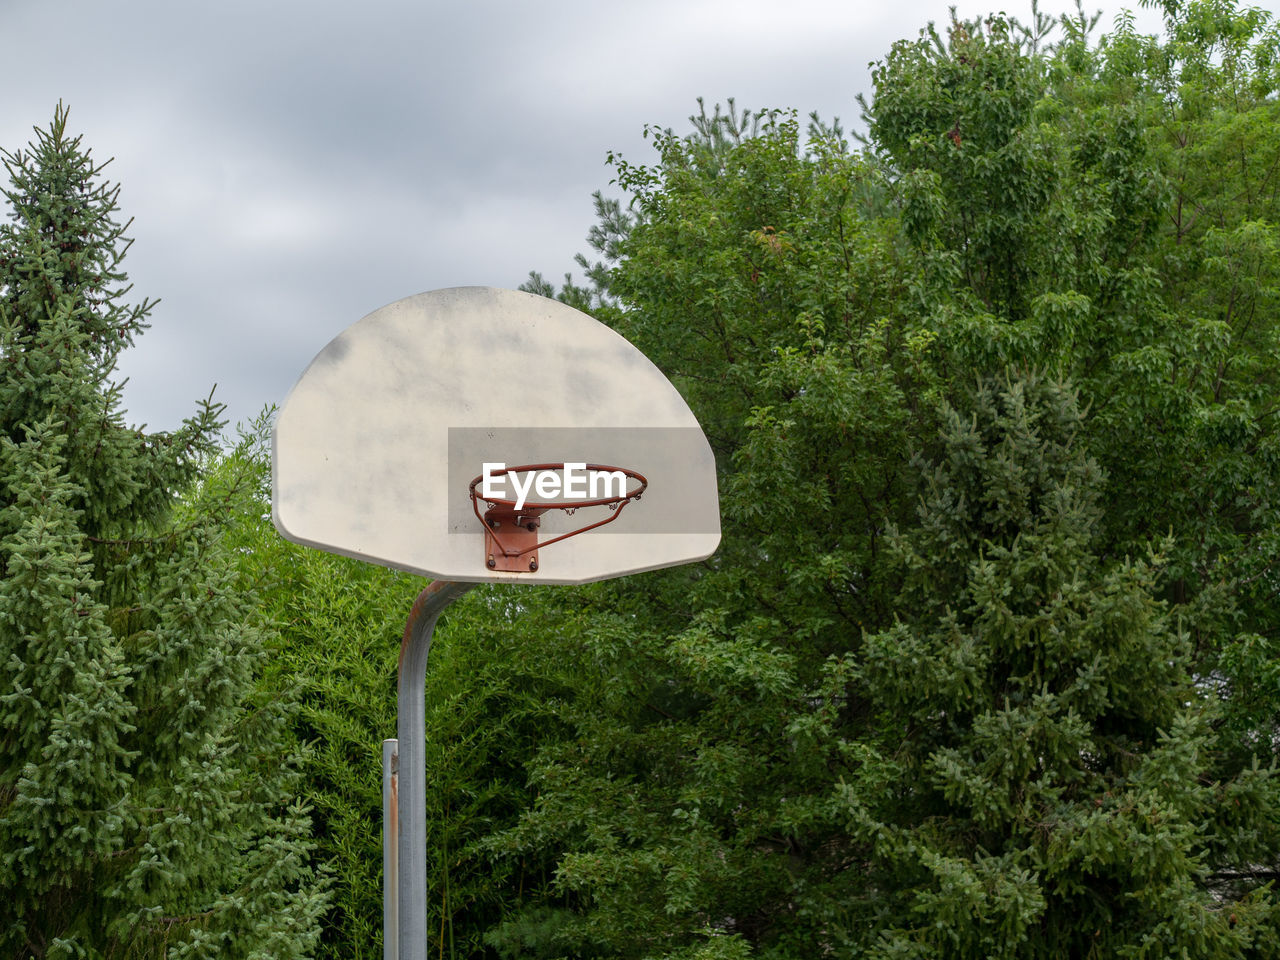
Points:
(377, 446)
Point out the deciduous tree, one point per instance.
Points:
(1035, 719)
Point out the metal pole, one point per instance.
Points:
(390, 850)
(412, 793)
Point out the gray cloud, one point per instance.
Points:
(292, 166)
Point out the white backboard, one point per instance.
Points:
(376, 444)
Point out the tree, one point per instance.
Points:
(1147, 278)
(147, 807)
(1043, 780)
(1048, 699)
(1212, 113)
(758, 275)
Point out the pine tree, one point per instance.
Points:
(146, 805)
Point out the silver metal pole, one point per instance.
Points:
(390, 850)
(412, 795)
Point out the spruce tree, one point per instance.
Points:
(146, 802)
(1044, 781)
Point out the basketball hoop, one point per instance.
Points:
(511, 527)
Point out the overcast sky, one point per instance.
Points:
(291, 166)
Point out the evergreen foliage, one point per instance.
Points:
(147, 806)
(1049, 753)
